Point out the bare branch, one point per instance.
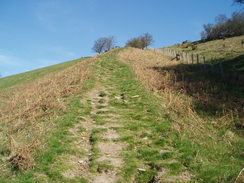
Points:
(103, 44)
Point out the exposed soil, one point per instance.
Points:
(110, 153)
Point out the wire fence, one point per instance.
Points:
(186, 57)
(210, 65)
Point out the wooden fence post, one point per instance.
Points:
(212, 65)
(192, 58)
(188, 59)
(204, 62)
(221, 69)
(197, 59)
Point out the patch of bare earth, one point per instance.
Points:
(164, 177)
(78, 164)
(110, 152)
(106, 178)
(111, 134)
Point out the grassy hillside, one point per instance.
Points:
(26, 77)
(224, 49)
(29, 111)
(127, 115)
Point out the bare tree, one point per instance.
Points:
(110, 41)
(99, 45)
(224, 27)
(221, 19)
(239, 1)
(147, 40)
(103, 44)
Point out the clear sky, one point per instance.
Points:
(38, 33)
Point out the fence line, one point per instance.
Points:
(211, 64)
(184, 56)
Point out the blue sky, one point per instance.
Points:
(38, 33)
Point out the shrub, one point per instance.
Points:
(141, 42)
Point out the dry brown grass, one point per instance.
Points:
(166, 77)
(27, 111)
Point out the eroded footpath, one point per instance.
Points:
(121, 134)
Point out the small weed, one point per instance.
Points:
(102, 94)
(101, 101)
(104, 167)
(100, 106)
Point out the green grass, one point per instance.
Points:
(26, 77)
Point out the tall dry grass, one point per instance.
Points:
(168, 79)
(27, 111)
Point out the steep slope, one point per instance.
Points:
(128, 117)
(28, 114)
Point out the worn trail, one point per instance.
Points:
(120, 137)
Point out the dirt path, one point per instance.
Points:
(102, 153)
(109, 157)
